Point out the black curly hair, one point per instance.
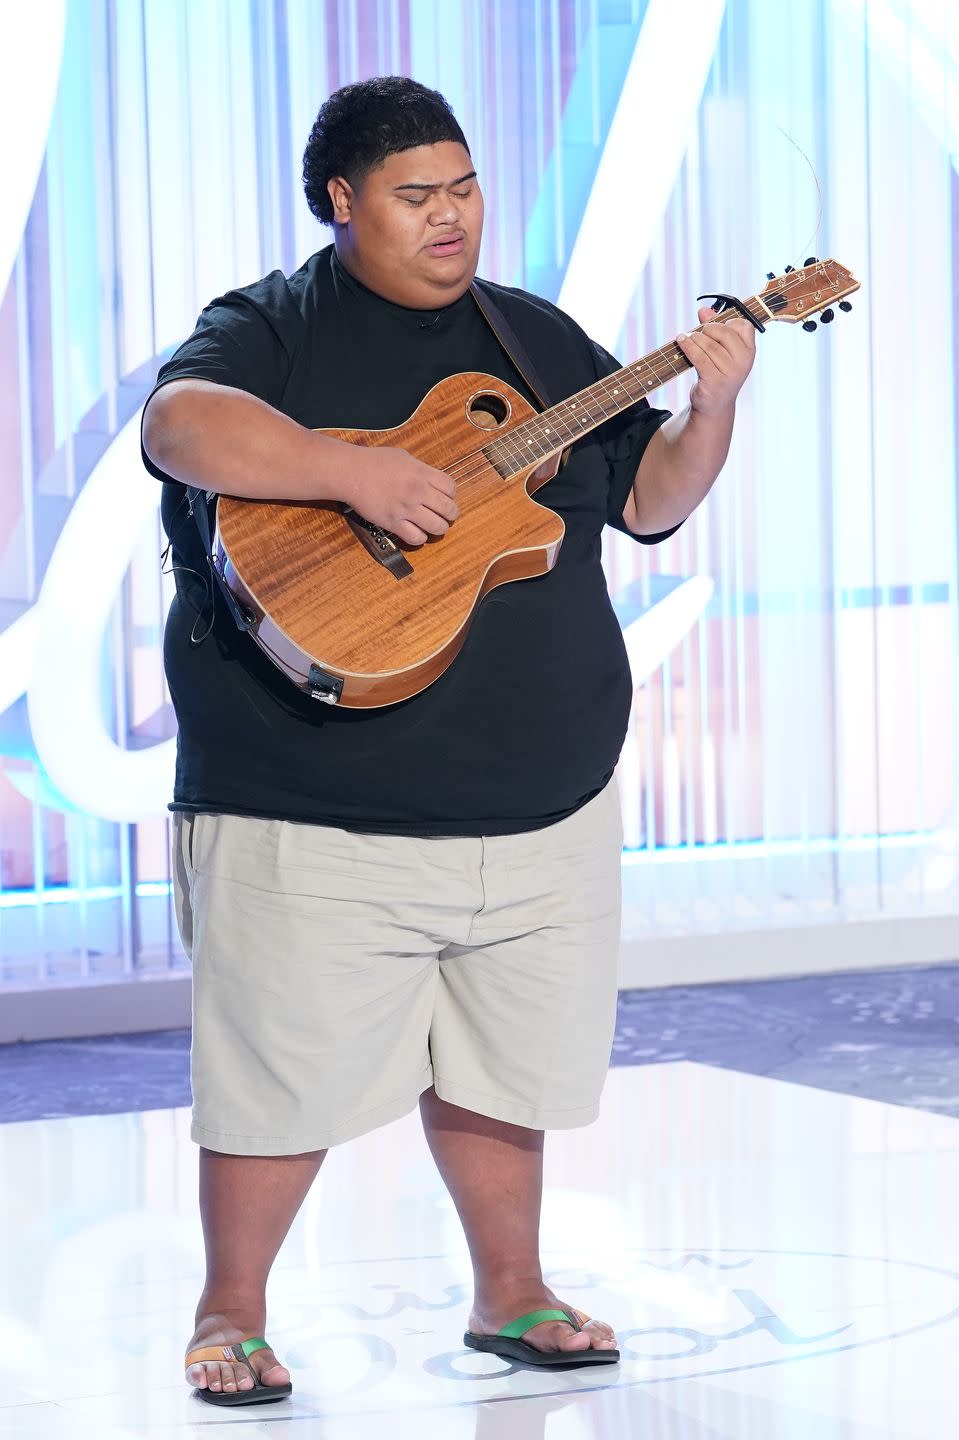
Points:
(361, 124)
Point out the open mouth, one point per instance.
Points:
(451, 246)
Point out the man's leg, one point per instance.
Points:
(494, 1173)
(276, 1013)
(247, 1205)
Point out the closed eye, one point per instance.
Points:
(458, 194)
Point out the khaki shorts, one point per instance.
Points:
(337, 976)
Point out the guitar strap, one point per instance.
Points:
(510, 341)
(199, 503)
(199, 500)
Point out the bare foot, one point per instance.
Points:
(228, 1328)
(498, 1308)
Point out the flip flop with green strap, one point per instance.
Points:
(508, 1346)
(237, 1354)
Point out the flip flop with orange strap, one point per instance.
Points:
(236, 1354)
(508, 1346)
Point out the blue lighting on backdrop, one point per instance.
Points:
(633, 155)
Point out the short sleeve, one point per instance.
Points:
(624, 441)
(246, 339)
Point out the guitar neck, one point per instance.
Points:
(551, 431)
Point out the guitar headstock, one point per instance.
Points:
(799, 294)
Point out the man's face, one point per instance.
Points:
(411, 229)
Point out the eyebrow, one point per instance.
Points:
(439, 185)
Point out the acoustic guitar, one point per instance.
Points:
(354, 617)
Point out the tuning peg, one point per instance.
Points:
(809, 325)
(810, 260)
(770, 275)
(788, 268)
(845, 305)
(827, 316)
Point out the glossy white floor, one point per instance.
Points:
(779, 1262)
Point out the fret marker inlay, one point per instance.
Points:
(600, 401)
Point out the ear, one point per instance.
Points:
(341, 196)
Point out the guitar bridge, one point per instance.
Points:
(378, 543)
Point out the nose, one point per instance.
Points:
(443, 210)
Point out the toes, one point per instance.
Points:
(269, 1369)
(595, 1334)
(274, 1374)
(568, 1339)
(556, 1336)
(229, 1378)
(598, 1330)
(600, 1334)
(236, 1377)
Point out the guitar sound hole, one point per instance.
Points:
(488, 410)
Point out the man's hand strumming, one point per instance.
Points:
(392, 489)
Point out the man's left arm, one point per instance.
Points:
(688, 451)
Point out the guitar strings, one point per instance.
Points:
(812, 170)
(458, 472)
(475, 462)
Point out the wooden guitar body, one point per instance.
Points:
(347, 627)
(351, 616)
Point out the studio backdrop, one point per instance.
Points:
(791, 758)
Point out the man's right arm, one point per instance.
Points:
(222, 439)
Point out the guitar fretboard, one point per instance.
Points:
(545, 434)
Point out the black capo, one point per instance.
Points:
(731, 302)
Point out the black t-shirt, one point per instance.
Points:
(527, 723)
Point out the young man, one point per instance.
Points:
(420, 901)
